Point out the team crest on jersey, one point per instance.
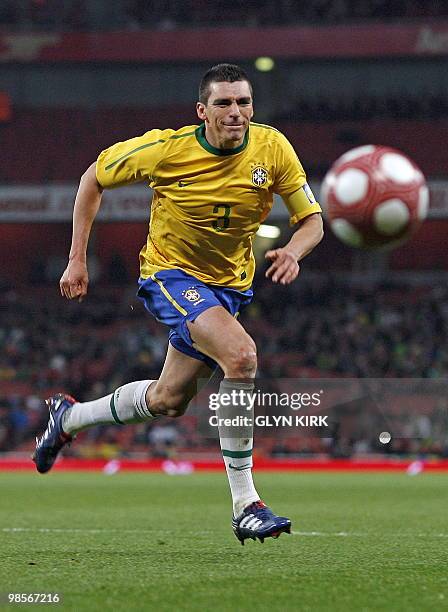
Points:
(191, 294)
(259, 176)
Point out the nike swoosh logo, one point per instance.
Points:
(240, 467)
(184, 183)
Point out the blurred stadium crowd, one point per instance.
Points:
(305, 331)
(81, 15)
(317, 328)
(365, 107)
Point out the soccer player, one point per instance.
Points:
(213, 186)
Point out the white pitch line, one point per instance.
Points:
(69, 530)
(312, 534)
(348, 534)
(337, 534)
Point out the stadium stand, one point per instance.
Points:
(79, 15)
(321, 327)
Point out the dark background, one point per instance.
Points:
(346, 73)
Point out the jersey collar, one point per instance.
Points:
(200, 137)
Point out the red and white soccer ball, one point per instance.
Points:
(374, 197)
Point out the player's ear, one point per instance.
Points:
(200, 109)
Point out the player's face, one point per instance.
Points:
(227, 113)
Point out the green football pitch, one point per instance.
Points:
(145, 541)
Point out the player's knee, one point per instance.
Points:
(242, 360)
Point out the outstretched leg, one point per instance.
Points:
(133, 402)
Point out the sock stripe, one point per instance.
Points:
(237, 454)
(142, 414)
(113, 410)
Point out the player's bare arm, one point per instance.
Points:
(75, 279)
(285, 260)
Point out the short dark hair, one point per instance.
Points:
(221, 73)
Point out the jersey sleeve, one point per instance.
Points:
(290, 183)
(300, 204)
(130, 161)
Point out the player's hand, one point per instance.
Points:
(74, 281)
(284, 268)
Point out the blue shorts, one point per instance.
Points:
(174, 297)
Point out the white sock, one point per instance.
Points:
(237, 450)
(127, 404)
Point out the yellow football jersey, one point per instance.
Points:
(207, 203)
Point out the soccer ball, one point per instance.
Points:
(374, 197)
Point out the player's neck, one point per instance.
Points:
(217, 143)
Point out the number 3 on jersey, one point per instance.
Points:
(222, 222)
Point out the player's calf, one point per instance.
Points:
(168, 401)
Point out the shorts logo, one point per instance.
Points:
(259, 176)
(191, 294)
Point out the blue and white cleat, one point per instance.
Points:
(258, 521)
(54, 438)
